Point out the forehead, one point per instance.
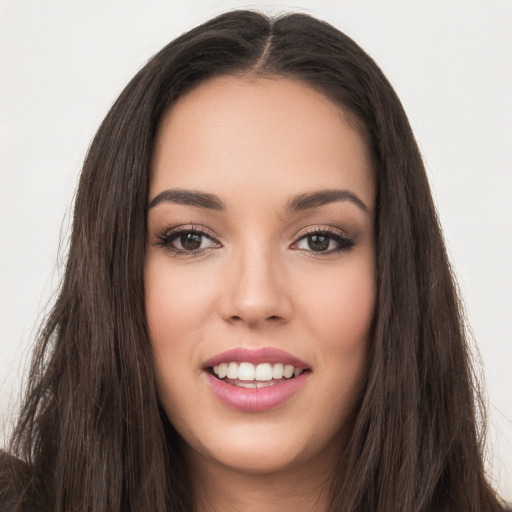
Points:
(233, 135)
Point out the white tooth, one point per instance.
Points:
(247, 384)
(216, 370)
(252, 384)
(223, 370)
(277, 371)
(232, 371)
(264, 372)
(245, 371)
(288, 371)
(297, 372)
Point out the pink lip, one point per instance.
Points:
(255, 356)
(257, 399)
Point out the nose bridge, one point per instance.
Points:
(255, 292)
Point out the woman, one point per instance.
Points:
(257, 311)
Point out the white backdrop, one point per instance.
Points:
(63, 63)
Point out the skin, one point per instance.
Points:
(255, 282)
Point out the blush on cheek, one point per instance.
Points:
(351, 319)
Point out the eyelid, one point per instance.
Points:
(344, 241)
(165, 237)
(321, 228)
(190, 228)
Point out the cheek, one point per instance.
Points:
(177, 302)
(342, 306)
(340, 316)
(178, 305)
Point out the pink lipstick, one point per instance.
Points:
(255, 380)
(255, 356)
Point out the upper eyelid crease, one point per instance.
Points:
(174, 231)
(330, 231)
(311, 230)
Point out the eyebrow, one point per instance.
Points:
(322, 197)
(299, 203)
(189, 198)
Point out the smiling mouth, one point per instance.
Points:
(248, 375)
(255, 380)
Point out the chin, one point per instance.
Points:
(247, 458)
(265, 447)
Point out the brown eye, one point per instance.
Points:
(187, 241)
(324, 242)
(318, 243)
(190, 241)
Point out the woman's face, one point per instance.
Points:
(260, 263)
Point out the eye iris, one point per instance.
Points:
(190, 241)
(318, 242)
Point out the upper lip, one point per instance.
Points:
(255, 356)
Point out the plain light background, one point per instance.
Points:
(62, 64)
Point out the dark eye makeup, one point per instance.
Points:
(323, 240)
(192, 240)
(188, 240)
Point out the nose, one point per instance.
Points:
(256, 291)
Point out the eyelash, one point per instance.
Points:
(345, 243)
(167, 237)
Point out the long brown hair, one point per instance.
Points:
(91, 432)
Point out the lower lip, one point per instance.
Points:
(255, 399)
